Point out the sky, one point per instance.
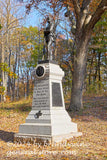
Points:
(33, 19)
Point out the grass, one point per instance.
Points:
(91, 121)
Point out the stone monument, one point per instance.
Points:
(48, 120)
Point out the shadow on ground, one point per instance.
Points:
(7, 136)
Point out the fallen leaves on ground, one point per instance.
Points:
(91, 121)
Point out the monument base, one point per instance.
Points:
(48, 120)
(43, 139)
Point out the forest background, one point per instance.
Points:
(21, 47)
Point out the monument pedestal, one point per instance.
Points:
(48, 120)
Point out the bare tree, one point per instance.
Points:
(10, 17)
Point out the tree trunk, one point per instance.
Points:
(12, 89)
(90, 69)
(80, 59)
(27, 91)
(18, 78)
(9, 79)
(3, 74)
(99, 75)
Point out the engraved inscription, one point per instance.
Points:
(41, 94)
(56, 95)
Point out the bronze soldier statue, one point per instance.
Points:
(49, 39)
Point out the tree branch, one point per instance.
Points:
(97, 15)
(84, 11)
(85, 4)
(68, 64)
(76, 8)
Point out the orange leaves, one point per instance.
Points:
(68, 3)
(106, 54)
(8, 98)
(61, 36)
(93, 5)
(12, 74)
(64, 158)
